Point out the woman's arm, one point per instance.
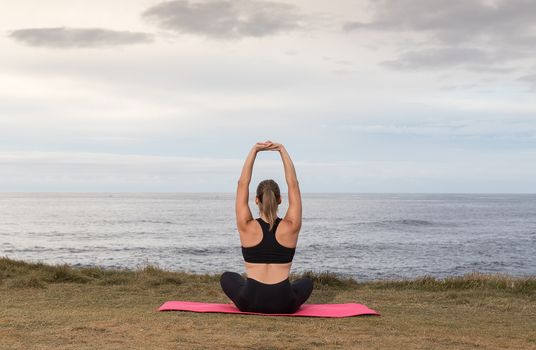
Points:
(290, 171)
(247, 168)
(243, 213)
(294, 212)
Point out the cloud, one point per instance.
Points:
(457, 33)
(79, 171)
(76, 171)
(442, 57)
(64, 37)
(225, 19)
(516, 129)
(456, 21)
(530, 79)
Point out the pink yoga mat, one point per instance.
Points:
(311, 310)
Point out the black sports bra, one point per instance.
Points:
(268, 250)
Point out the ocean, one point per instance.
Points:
(364, 236)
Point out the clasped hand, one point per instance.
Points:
(267, 146)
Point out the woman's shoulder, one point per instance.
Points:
(287, 227)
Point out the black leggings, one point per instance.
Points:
(253, 296)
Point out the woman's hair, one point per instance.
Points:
(268, 194)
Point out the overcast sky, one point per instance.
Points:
(367, 96)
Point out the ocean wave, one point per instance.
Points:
(388, 223)
(39, 249)
(406, 222)
(139, 221)
(205, 251)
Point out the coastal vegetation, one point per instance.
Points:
(46, 306)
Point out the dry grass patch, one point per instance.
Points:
(62, 307)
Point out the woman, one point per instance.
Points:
(268, 243)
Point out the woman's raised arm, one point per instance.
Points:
(243, 212)
(294, 212)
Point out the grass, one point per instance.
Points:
(61, 307)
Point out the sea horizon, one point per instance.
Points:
(251, 192)
(363, 235)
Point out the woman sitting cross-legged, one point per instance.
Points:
(268, 243)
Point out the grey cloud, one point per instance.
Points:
(529, 79)
(225, 19)
(64, 37)
(456, 21)
(457, 32)
(441, 57)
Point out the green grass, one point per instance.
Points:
(62, 307)
(37, 275)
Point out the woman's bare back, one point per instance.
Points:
(269, 273)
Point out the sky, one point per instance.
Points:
(170, 96)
